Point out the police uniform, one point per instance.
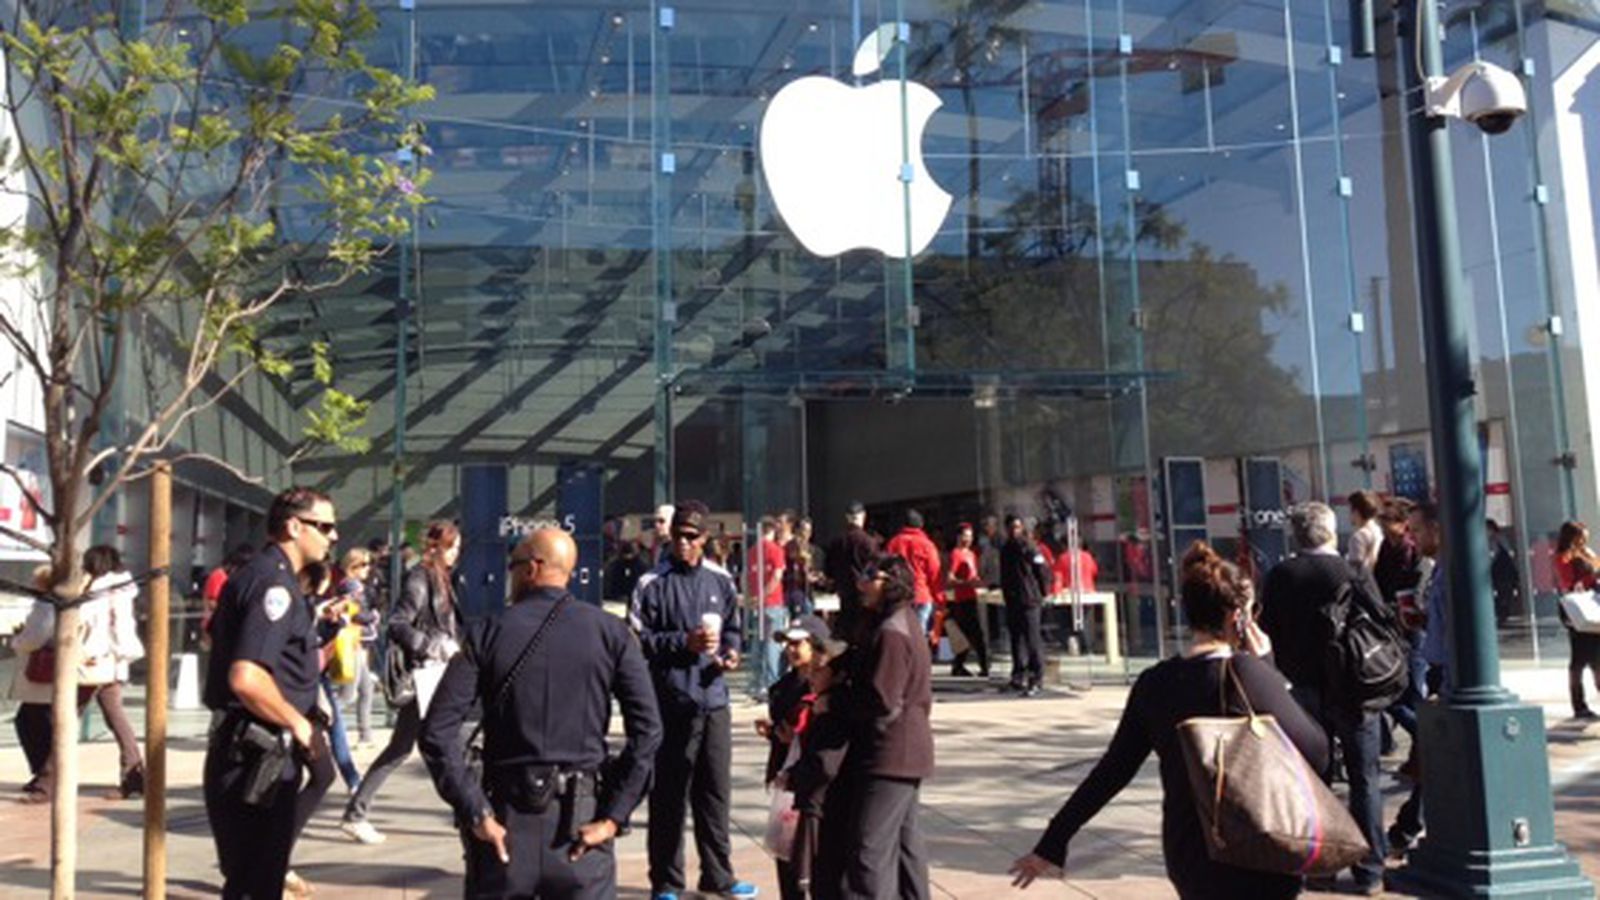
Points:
(544, 744)
(263, 618)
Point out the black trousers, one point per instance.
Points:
(965, 615)
(407, 725)
(1585, 655)
(34, 730)
(1027, 644)
(693, 770)
(253, 842)
(891, 860)
(538, 844)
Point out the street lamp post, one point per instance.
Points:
(1486, 773)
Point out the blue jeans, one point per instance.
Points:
(1360, 737)
(925, 616)
(339, 741)
(1360, 740)
(772, 664)
(1404, 710)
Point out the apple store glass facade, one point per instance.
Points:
(1174, 289)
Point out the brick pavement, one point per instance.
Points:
(1004, 766)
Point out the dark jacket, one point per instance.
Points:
(891, 699)
(1165, 695)
(668, 604)
(784, 701)
(1396, 569)
(1296, 604)
(1025, 574)
(586, 651)
(424, 618)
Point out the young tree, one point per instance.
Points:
(183, 168)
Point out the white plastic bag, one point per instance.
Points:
(783, 821)
(1583, 611)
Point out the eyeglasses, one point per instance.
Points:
(328, 529)
(690, 536)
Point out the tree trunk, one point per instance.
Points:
(64, 722)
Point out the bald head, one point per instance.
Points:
(548, 557)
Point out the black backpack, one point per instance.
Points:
(1368, 666)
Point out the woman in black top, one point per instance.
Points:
(1219, 603)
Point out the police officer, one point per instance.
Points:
(262, 685)
(541, 821)
(687, 617)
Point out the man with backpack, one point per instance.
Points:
(1335, 640)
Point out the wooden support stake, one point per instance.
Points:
(160, 654)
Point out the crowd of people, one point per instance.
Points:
(845, 644)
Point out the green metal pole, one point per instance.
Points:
(1486, 795)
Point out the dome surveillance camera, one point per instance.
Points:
(1482, 93)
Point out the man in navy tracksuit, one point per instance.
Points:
(686, 613)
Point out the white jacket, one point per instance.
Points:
(38, 630)
(110, 631)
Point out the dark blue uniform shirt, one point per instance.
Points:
(264, 618)
(667, 605)
(556, 712)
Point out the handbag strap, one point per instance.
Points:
(501, 692)
(1230, 675)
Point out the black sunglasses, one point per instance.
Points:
(517, 563)
(327, 528)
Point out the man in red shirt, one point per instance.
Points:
(914, 546)
(1087, 567)
(963, 607)
(764, 577)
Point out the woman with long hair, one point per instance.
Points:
(111, 644)
(1578, 569)
(873, 846)
(425, 624)
(1219, 602)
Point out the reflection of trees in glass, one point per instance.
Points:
(970, 36)
(1034, 301)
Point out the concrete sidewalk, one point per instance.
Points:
(1005, 765)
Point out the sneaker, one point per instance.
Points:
(296, 886)
(740, 890)
(362, 832)
(1586, 715)
(663, 895)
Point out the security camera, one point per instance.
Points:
(1482, 93)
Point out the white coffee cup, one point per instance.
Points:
(712, 622)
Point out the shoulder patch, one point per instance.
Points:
(276, 602)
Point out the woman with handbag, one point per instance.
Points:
(423, 629)
(30, 688)
(1218, 603)
(1577, 570)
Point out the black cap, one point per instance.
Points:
(914, 518)
(690, 515)
(804, 627)
(856, 508)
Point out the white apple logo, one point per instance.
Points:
(832, 156)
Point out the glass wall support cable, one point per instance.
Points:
(1538, 212)
(1297, 153)
(1513, 441)
(402, 325)
(1352, 296)
(1136, 330)
(663, 165)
